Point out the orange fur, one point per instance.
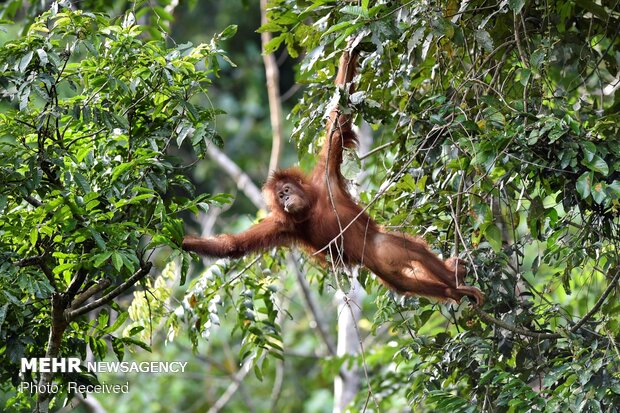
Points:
(331, 223)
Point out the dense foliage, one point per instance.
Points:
(500, 128)
(87, 168)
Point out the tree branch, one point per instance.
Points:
(28, 261)
(141, 273)
(33, 201)
(94, 289)
(515, 329)
(38, 260)
(232, 388)
(311, 306)
(272, 75)
(76, 284)
(243, 181)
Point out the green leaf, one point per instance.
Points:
(134, 200)
(536, 215)
(556, 133)
(163, 13)
(355, 11)
(128, 263)
(287, 19)
(81, 182)
(484, 38)
(122, 317)
(117, 261)
(584, 185)
(175, 228)
(61, 22)
(186, 259)
(516, 5)
(63, 267)
(102, 319)
(135, 330)
(290, 45)
(346, 33)
(121, 169)
(614, 189)
(42, 56)
(523, 75)
(99, 259)
(34, 236)
(3, 311)
(270, 27)
(23, 98)
(599, 193)
(274, 44)
(97, 237)
(537, 58)
(481, 213)
(121, 120)
(338, 27)
(589, 150)
(138, 343)
(119, 347)
(183, 131)
(597, 164)
(24, 61)
(550, 201)
(494, 236)
(228, 32)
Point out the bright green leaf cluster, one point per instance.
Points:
(90, 184)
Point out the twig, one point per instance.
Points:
(517, 32)
(377, 149)
(312, 308)
(232, 388)
(88, 135)
(290, 92)
(517, 330)
(598, 304)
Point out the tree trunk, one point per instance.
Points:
(59, 324)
